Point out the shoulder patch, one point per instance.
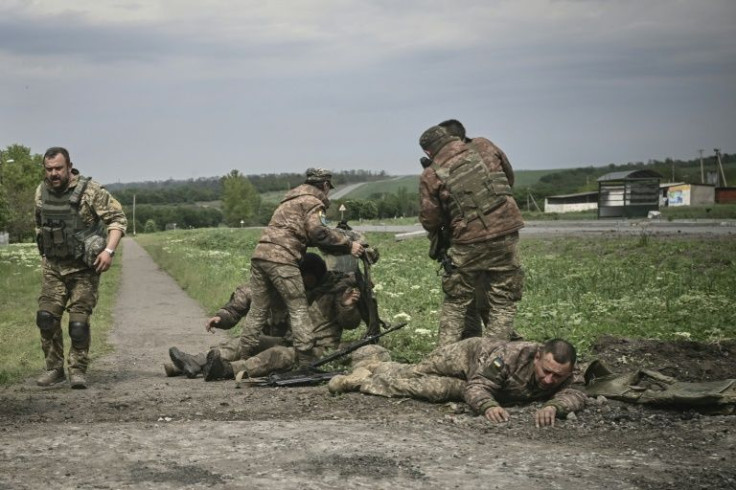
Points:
(322, 217)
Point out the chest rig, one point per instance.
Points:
(63, 232)
(475, 191)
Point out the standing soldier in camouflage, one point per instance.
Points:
(483, 372)
(78, 227)
(298, 222)
(468, 200)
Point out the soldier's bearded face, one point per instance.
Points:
(57, 171)
(549, 372)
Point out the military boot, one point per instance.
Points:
(216, 367)
(51, 377)
(77, 381)
(186, 363)
(172, 370)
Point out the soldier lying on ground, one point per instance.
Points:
(484, 372)
(332, 298)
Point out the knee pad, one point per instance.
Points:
(46, 320)
(78, 332)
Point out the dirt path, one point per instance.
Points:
(134, 428)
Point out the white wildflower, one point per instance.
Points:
(402, 317)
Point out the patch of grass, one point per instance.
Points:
(712, 211)
(20, 284)
(575, 288)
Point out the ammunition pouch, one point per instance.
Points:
(46, 321)
(55, 240)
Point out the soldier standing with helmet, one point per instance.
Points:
(469, 199)
(78, 227)
(298, 222)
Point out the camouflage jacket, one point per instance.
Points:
(493, 155)
(239, 305)
(514, 381)
(298, 223)
(435, 198)
(329, 316)
(96, 204)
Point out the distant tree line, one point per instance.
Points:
(235, 199)
(212, 188)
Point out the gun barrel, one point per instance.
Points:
(355, 346)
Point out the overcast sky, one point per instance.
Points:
(156, 89)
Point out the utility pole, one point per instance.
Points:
(720, 166)
(134, 215)
(702, 173)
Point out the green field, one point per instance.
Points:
(20, 282)
(576, 288)
(524, 178)
(527, 178)
(388, 186)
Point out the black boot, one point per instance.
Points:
(216, 367)
(187, 363)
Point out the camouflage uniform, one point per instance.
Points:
(470, 370)
(493, 155)
(483, 248)
(274, 331)
(69, 283)
(328, 316)
(298, 222)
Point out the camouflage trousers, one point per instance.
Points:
(485, 284)
(77, 293)
(285, 280)
(230, 349)
(277, 358)
(438, 378)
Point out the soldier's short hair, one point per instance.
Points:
(562, 351)
(454, 127)
(55, 150)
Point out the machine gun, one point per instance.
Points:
(312, 374)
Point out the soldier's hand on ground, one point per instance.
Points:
(351, 297)
(356, 249)
(212, 323)
(497, 414)
(103, 262)
(545, 416)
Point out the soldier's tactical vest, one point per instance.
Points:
(475, 191)
(63, 233)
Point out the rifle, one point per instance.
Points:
(368, 305)
(312, 375)
(439, 244)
